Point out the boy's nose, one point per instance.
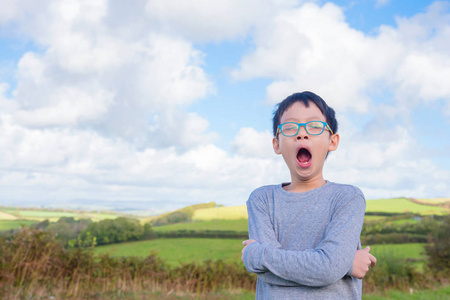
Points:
(302, 134)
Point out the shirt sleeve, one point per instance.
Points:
(326, 264)
(260, 228)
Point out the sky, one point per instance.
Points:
(149, 106)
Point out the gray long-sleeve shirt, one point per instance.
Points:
(306, 242)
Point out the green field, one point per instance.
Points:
(411, 250)
(374, 218)
(179, 250)
(435, 200)
(222, 213)
(176, 251)
(13, 224)
(233, 225)
(442, 293)
(402, 205)
(404, 221)
(395, 205)
(414, 252)
(51, 215)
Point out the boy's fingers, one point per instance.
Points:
(373, 260)
(248, 242)
(367, 249)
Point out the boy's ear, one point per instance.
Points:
(334, 142)
(276, 145)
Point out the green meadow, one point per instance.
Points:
(183, 250)
(413, 252)
(395, 205)
(402, 205)
(410, 250)
(179, 250)
(442, 293)
(233, 225)
(435, 201)
(13, 224)
(222, 213)
(38, 215)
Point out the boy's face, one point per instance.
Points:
(305, 154)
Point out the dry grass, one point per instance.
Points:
(33, 264)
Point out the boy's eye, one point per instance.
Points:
(290, 128)
(314, 126)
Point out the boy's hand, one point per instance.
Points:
(363, 260)
(245, 243)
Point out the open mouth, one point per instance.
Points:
(304, 157)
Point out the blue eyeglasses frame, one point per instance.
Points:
(325, 126)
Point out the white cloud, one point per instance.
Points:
(88, 76)
(313, 48)
(225, 19)
(73, 164)
(101, 109)
(386, 162)
(71, 106)
(250, 143)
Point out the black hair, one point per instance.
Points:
(305, 98)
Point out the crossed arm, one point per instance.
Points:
(361, 263)
(332, 259)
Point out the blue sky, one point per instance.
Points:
(158, 104)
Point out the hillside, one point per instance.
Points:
(181, 215)
(395, 205)
(53, 215)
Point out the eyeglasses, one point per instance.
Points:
(312, 128)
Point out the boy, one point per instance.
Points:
(304, 235)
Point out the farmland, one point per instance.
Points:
(234, 225)
(395, 205)
(13, 224)
(180, 250)
(38, 215)
(175, 251)
(222, 213)
(386, 220)
(207, 218)
(402, 205)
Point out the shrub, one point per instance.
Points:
(438, 249)
(33, 264)
(392, 272)
(182, 215)
(113, 231)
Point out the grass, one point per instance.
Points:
(176, 251)
(404, 221)
(222, 213)
(14, 224)
(51, 215)
(435, 200)
(374, 218)
(395, 205)
(412, 251)
(234, 225)
(7, 216)
(402, 205)
(441, 293)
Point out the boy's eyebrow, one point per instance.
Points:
(315, 118)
